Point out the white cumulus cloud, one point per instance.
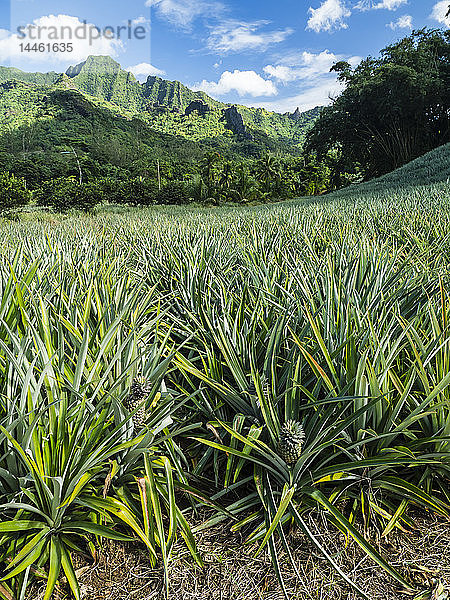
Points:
(318, 95)
(439, 13)
(235, 36)
(404, 22)
(330, 15)
(245, 83)
(387, 4)
(313, 73)
(306, 65)
(52, 29)
(143, 70)
(281, 72)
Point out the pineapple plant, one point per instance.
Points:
(136, 401)
(251, 390)
(290, 441)
(253, 394)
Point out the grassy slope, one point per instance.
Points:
(431, 168)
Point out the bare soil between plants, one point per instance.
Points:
(231, 572)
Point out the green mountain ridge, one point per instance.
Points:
(164, 104)
(11, 73)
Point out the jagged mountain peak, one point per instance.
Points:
(95, 64)
(63, 81)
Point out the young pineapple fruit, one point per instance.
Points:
(290, 442)
(139, 391)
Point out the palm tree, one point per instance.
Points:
(226, 176)
(268, 170)
(245, 187)
(208, 170)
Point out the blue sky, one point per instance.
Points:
(275, 54)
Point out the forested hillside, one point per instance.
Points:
(169, 106)
(99, 118)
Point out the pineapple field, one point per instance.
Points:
(260, 375)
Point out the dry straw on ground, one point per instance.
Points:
(122, 572)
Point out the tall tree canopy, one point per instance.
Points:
(393, 108)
